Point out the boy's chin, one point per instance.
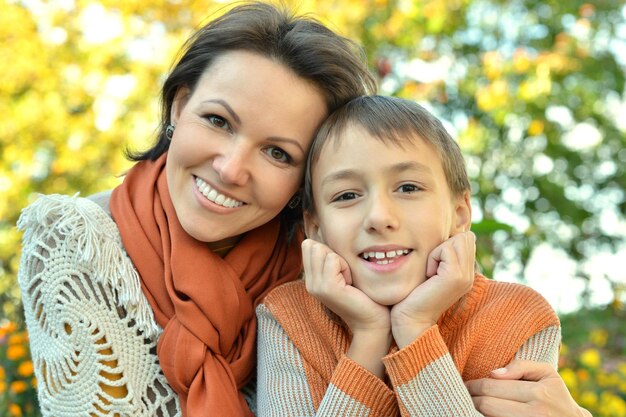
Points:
(388, 298)
(389, 293)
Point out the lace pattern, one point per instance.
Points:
(93, 336)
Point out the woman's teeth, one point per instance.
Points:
(384, 258)
(214, 196)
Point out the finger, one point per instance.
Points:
(511, 390)
(306, 256)
(526, 370)
(498, 407)
(314, 268)
(442, 253)
(332, 267)
(345, 270)
(460, 243)
(431, 266)
(471, 250)
(464, 245)
(320, 255)
(341, 267)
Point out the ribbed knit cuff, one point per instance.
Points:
(363, 386)
(404, 365)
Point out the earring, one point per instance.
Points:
(169, 132)
(293, 203)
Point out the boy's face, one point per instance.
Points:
(384, 208)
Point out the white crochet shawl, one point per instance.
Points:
(90, 324)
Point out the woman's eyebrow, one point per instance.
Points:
(226, 106)
(288, 140)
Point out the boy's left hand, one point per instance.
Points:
(449, 275)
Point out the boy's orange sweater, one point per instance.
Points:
(303, 369)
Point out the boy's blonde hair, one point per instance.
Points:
(392, 120)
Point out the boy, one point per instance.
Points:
(391, 317)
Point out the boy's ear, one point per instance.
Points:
(180, 100)
(312, 228)
(462, 213)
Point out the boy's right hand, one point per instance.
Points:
(327, 276)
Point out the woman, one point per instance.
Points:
(140, 302)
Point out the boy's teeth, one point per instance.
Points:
(384, 258)
(216, 197)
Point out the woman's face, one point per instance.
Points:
(240, 145)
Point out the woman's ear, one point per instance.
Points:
(180, 100)
(462, 221)
(312, 228)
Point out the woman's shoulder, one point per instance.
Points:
(64, 212)
(66, 220)
(102, 200)
(72, 235)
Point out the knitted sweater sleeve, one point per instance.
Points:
(428, 383)
(287, 380)
(92, 334)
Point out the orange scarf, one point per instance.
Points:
(204, 303)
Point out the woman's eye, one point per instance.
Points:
(408, 188)
(218, 122)
(278, 154)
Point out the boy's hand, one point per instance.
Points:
(449, 276)
(328, 279)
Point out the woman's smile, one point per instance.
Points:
(215, 196)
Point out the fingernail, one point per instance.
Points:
(499, 371)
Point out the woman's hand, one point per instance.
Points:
(524, 389)
(328, 279)
(449, 276)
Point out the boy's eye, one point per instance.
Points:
(278, 154)
(346, 196)
(218, 122)
(408, 188)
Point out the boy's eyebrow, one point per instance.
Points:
(399, 167)
(411, 166)
(340, 175)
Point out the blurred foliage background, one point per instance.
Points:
(533, 90)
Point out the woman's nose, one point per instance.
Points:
(232, 165)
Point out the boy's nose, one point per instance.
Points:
(381, 215)
(232, 165)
